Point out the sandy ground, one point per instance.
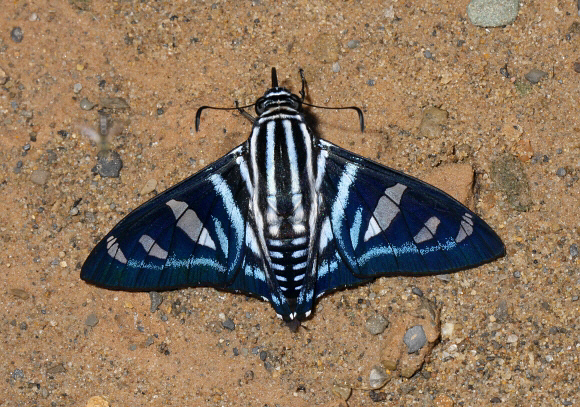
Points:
(516, 337)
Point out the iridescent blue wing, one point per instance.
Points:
(382, 222)
(198, 232)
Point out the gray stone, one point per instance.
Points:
(229, 324)
(16, 34)
(114, 103)
(535, 75)
(492, 13)
(86, 104)
(376, 324)
(415, 339)
(109, 164)
(39, 177)
(378, 377)
(156, 300)
(92, 320)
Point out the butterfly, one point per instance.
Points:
(288, 217)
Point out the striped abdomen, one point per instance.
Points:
(284, 193)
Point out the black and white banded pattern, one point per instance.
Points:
(288, 217)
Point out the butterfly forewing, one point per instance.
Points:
(387, 222)
(192, 234)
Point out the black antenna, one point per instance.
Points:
(275, 85)
(237, 107)
(303, 95)
(274, 78)
(361, 118)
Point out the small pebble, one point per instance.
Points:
(561, 172)
(336, 67)
(19, 293)
(18, 374)
(4, 76)
(56, 369)
(535, 75)
(443, 400)
(39, 177)
(574, 250)
(16, 34)
(517, 274)
(27, 114)
(149, 187)
(444, 277)
(85, 104)
(378, 396)
(263, 355)
(376, 324)
(428, 54)
(352, 44)
(341, 391)
(33, 17)
(156, 300)
(97, 401)
(415, 339)
(512, 338)
(92, 320)
(229, 324)
(378, 377)
(109, 164)
(417, 291)
(492, 13)
(447, 330)
(77, 88)
(114, 103)
(74, 211)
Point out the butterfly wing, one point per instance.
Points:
(382, 222)
(198, 232)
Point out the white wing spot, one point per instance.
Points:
(427, 232)
(178, 207)
(189, 222)
(465, 229)
(386, 210)
(114, 251)
(152, 248)
(396, 192)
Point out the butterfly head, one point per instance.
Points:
(278, 98)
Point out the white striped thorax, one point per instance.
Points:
(285, 197)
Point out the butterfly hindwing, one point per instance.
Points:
(384, 222)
